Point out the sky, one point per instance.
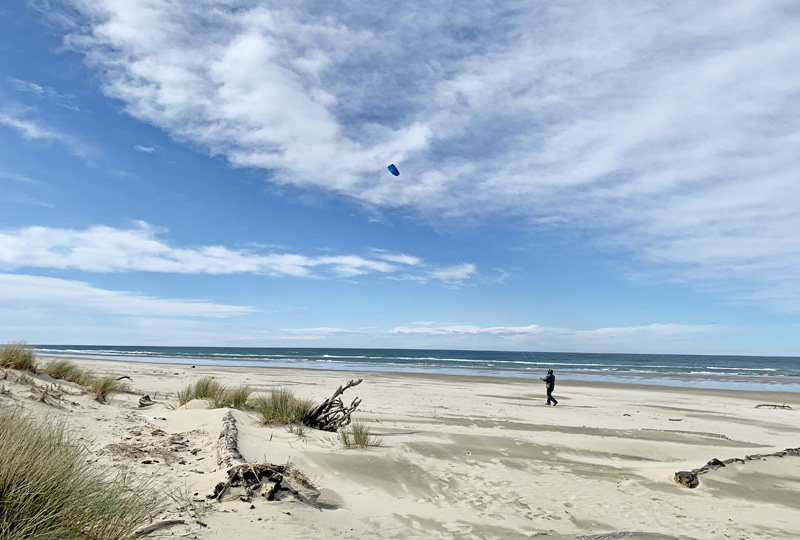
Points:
(587, 176)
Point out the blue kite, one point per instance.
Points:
(393, 170)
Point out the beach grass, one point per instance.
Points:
(18, 355)
(68, 371)
(281, 406)
(102, 387)
(236, 398)
(204, 388)
(50, 489)
(358, 435)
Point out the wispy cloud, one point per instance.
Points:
(15, 177)
(109, 249)
(45, 92)
(544, 333)
(21, 119)
(27, 292)
(145, 149)
(668, 131)
(657, 337)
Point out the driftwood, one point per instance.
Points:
(270, 481)
(331, 414)
(690, 480)
(145, 401)
(784, 406)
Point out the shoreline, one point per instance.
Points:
(709, 381)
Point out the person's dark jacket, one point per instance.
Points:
(550, 381)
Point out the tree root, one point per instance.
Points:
(331, 414)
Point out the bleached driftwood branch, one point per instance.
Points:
(331, 414)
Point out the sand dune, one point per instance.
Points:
(462, 457)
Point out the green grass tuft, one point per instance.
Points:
(18, 355)
(204, 388)
(104, 386)
(281, 406)
(68, 371)
(358, 435)
(50, 489)
(235, 398)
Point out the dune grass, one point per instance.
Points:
(235, 398)
(50, 489)
(102, 387)
(18, 355)
(204, 388)
(281, 406)
(68, 371)
(358, 435)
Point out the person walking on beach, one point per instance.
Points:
(550, 382)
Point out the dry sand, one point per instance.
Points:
(462, 457)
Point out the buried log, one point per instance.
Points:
(331, 414)
(784, 406)
(273, 482)
(690, 478)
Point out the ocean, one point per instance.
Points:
(699, 371)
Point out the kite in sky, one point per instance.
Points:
(393, 170)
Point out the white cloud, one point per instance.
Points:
(109, 249)
(19, 119)
(45, 92)
(536, 331)
(27, 292)
(145, 149)
(21, 178)
(670, 131)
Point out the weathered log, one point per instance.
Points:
(331, 414)
(690, 478)
(784, 406)
(271, 481)
(228, 444)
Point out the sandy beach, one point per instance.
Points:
(462, 457)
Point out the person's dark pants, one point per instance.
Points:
(550, 397)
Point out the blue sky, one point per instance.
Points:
(590, 176)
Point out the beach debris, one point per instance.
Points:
(124, 377)
(273, 482)
(145, 401)
(784, 406)
(690, 478)
(331, 414)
